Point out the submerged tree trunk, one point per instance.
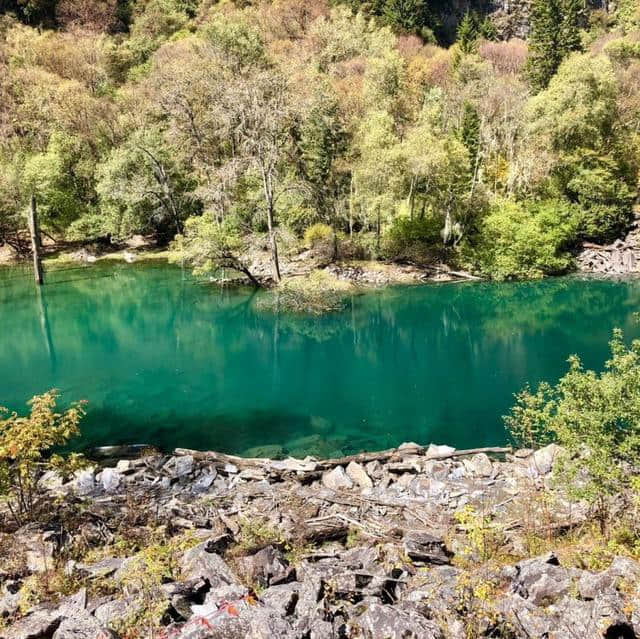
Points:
(35, 242)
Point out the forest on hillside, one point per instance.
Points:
(220, 127)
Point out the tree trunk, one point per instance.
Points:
(35, 242)
(250, 275)
(351, 196)
(274, 245)
(411, 197)
(267, 184)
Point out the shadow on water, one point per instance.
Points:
(168, 363)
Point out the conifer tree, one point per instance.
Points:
(555, 32)
(467, 34)
(470, 132)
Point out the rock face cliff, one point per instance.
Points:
(511, 17)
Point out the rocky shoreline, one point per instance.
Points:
(622, 257)
(424, 543)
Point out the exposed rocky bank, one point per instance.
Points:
(368, 546)
(622, 257)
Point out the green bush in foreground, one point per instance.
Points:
(595, 417)
(25, 444)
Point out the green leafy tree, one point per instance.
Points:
(26, 444)
(143, 188)
(209, 245)
(439, 174)
(517, 241)
(555, 32)
(594, 166)
(595, 417)
(62, 178)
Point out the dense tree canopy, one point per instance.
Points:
(261, 119)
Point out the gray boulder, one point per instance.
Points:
(282, 598)
(267, 567)
(110, 479)
(337, 479)
(237, 620)
(424, 548)
(541, 580)
(82, 626)
(479, 465)
(199, 562)
(392, 622)
(37, 625)
(359, 475)
(180, 466)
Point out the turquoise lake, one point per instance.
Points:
(167, 360)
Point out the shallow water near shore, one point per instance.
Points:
(169, 361)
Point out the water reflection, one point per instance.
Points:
(166, 360)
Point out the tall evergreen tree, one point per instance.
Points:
(407, 15)
(555, 32)
(470, 132)
(467, 36)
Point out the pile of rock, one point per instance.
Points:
(620, 258)
(364, 547)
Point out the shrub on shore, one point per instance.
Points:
(26, 444)
(595, 418)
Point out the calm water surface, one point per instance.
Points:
(166, 360)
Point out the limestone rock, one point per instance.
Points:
(267, 567)
(337, 479)
(180, 466)
(110, 479)
(358, 475)
(392, 622)
(39, 624)
(424, 548)
(199, 562)
(479, 465)
(282, 598)
(435, 452)
(82, 626)
(541, 580)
